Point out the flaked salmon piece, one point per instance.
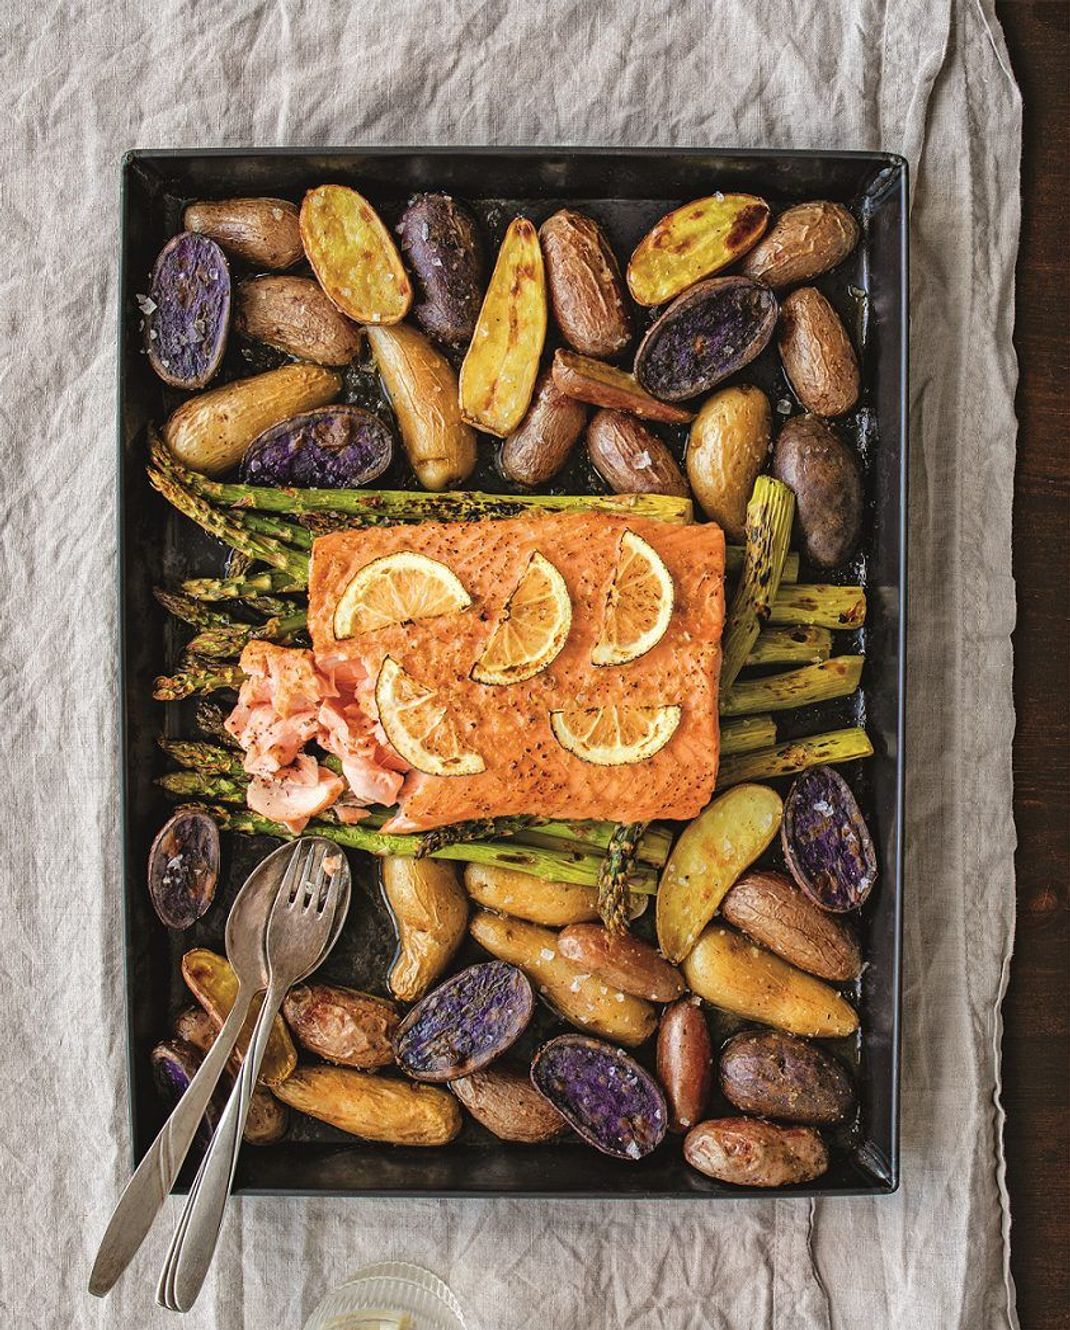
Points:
(295, 794)
(373, 771)
(527, 771)
(276, 712)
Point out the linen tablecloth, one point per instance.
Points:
(81, 83)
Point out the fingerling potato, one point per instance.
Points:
(342, 1025)
(430, 912)
(503, 1100)
(374, 1107)
(726, 449)
(214, 984)
(804, 241)
(750, 1153)
(585, 284)
(353, 256)
(693, 242)
(261, 231)
(817, 354)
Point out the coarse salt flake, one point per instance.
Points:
(546, 954)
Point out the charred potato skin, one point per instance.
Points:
(586, 288)
(430, 910)
(342, 1025)
(775, 1075)
(726, 449)
(630, 458)
(422, 388)
(372, 1106)
(440, 240)
(693, 242)
(825, 475)
(260, 230)
(817, 354)
(541, 444)
(685, 1062)
(750, 1153)
(803, 242)
(771, 909)
(211, 431)
(293, 315)
(503, 1100)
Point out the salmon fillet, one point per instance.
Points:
(527, 771)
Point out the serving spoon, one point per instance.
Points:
(154, 1177)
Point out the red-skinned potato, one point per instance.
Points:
(685, 1062)
(585, 284)
(261, 231)
(541, 445)
(751, 1153)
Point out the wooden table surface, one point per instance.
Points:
(1036, 1042)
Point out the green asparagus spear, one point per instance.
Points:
(746, 733)
(769, 517)
(242, 588)
(796, 755)
(614, 897)
(842, 607)
(227, 643)
(197, 677)
(480, 828)
(733, 564)
(794, 688)
(275, 607)
(191, 785)
(791, 646)
(194, 612)
(210, 717)
(265, 524)
(204, 759)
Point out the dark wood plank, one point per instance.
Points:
(1036, 1043)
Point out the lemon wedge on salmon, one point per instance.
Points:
(639, 604)
(419, 725)
(532, 629)
(398, 588)
(614, 736)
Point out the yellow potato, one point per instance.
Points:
(353, 256)
(726, 838)
(693, 242)
(726, 449)
(581, 999)
(733, 973)
(554, 904)
(376, 1108)
(211, 431)
(214, 984)
(430, 910)
(499, 371)
(423, 392)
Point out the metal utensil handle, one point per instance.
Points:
(154, 1177)
(195, 1239)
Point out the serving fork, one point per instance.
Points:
(300, 931)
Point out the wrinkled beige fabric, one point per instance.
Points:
(82, 82)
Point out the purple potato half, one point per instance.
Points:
(826, 842)
(708, 333)
(187, 315)
(184, 868)
(465, 1023)
(605, 1095)
(440, 240)
(174, 1065)
(332, 447)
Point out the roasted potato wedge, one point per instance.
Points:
(804, 241)
(693, 242)
(440, 239)
(374, 1107)
(630, 459)
(771, 909)
(187, 316)
(600, 384)
(293, 315)
(585, 284)
(750, 1153)
(210, 432)
(214, 984)
(726, 450)
(353, 255)
(342, 1025)
(579, 997)
(430, 912)
(499, 371)
(422, 388)
(535, 899)
(332, 447)
(503, 1100)
(728, 970)
(541, 446)
(817, 354)
(622, 960)
(712, 851)
(826, 477)
(261, 231)
(827, 845)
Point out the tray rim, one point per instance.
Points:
(899, 166)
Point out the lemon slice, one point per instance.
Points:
(419, 726)
(638, 606)
(614, 736)
(397, 588)
(532, 630)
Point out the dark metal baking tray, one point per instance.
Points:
(627, 189)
